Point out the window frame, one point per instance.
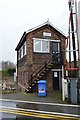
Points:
(58, 47)
(22, 51)
(41, 51)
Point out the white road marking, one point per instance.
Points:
(66, 105)
(37, 111)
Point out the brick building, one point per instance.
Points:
(40, 56)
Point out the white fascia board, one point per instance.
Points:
(57, 29)
(46, 23)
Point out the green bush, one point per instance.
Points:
(8, 72)
(11, 71)
(5, 73)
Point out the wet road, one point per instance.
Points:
(51, 108)
(36, 107)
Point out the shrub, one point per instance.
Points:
(8, 72)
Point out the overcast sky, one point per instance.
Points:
(17, 16)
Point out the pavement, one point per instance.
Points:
(51, 97)
(54, 97)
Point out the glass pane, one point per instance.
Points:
(24, 49)
(55, 47)
(37, 45)
(18, 54)
(45, 46)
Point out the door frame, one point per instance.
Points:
(60, 78)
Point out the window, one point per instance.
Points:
(41, 45)
(37, 45)
(56, 47)
(22, 51)
(18, 54)
(56, 50)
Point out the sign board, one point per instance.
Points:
(55, 74)
(46, 34)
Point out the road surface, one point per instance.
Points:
(25, 109)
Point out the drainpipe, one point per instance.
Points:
(17, 71)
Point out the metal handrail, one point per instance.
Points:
(42, 68)
(33, 76)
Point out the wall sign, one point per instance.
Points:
(47, 34)
(55, 74)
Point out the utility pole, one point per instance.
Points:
(73, 34)
(73, 37)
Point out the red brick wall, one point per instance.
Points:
(49, 82)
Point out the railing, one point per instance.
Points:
(56, 58)
(33, 76)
